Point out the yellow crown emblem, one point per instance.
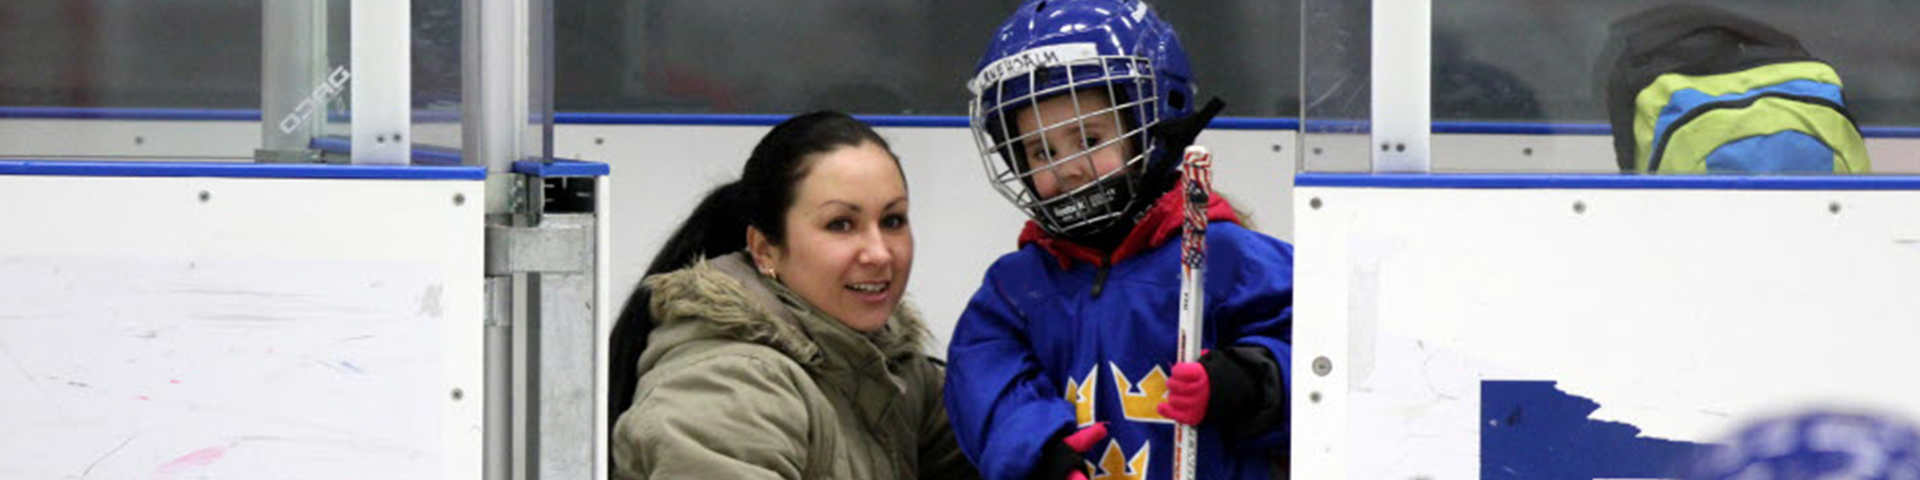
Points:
(1140, 401)
(1114, 464)
(1081, 394)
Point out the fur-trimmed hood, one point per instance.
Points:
(735, 355)
(724, 298)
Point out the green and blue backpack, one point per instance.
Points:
(1694, 89)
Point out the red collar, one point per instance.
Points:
(1160, 224)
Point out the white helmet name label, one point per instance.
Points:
(1031, 60)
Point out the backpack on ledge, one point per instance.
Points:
(1695, 89)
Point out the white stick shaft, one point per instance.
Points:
(1196, 168)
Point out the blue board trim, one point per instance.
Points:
(561, 167)
(943, 121)
(1607, 181)
(238, 170)
(441, 156)
(1255, 123)
(909, 121)
(91, 113)
(1890, 132)
(1522, 128)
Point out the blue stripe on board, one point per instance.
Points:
(1230, 123)
(937, 121)
(562, 168)
(1890, 132)
(441, 156)
(91, 113)
(1608, 181)
(238, 170)
(1523, 128)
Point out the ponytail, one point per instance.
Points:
(714, 228)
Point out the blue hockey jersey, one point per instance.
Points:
(1051, 342)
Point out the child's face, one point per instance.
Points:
(1066, 141)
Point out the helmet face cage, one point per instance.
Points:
(1128, 84)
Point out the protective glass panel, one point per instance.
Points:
(869, 56)
(1529, 86)
(136, 64)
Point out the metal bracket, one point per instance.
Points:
(546, 249)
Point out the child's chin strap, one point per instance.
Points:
(1178, 133)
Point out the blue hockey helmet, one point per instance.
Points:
(1053, 47)
(1815, 444)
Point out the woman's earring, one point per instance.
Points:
(768, 271)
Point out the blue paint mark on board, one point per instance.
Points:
(1531, 430)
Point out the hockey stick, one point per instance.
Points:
(1196, 168)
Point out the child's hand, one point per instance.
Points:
(1081, 441)
(1187, 394)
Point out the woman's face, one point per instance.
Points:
(848, 248)
(1063, 142)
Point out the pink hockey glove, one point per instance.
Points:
(1187, 394)
(1081, 441)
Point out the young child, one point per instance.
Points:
(1063, 364)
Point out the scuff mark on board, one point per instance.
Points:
(103, 457)
(198, 459)
(430, 301)
(21, 368)
(342, 366)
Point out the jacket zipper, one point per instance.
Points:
(1100, 278)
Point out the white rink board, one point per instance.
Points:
(280, 328)
(1684, 313)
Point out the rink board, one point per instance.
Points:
(210, 321)
(1590, 327)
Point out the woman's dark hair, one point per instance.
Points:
(718, 226)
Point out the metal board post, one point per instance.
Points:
(382, 83)
(1402, 114)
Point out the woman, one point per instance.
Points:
(779, 347)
